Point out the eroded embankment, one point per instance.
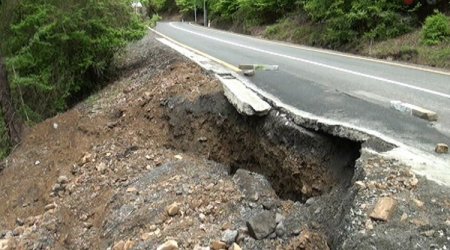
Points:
(164, 136)
(299, 163)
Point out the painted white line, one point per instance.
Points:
(429, 91)
(325, 51)
(426, 164)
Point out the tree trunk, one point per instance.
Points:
(13, 122)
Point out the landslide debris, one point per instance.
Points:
(160, 160)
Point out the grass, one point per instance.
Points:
(409, 48)
(293, 30)
(5, 145)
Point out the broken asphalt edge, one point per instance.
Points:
(421, 162)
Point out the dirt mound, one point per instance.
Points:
(160, 155)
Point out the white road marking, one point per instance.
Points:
(429, 91)
(325, 51)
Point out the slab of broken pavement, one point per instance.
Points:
(429, 166)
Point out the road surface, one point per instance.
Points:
(333, 85)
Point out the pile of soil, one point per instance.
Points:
(159, 156)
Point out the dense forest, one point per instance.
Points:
(54, 53)
(334, 23)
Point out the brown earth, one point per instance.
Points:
(162, 135)
(102, 146)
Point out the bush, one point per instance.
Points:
(349, 21)
(154, 20)
(436, 29)
(4, 139)
(60, 51)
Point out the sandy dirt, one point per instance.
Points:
(160, 155)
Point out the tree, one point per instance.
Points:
(13, 122)
(61, 51)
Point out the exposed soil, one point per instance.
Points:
(163, 135)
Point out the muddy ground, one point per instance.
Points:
(160, 155)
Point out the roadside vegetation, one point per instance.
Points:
(415, 31)
(429, 45)
(57, 53)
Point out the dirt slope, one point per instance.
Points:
(160, 155)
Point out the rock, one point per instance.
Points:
(418, 203)
(404, 217)
(420, 222)
(280, 230)
(37, 163)
(360, 184)
(173, 209)
(87, 225)
(209, 186)
(413, 182)
(18, 231)
(57, 187)
(63, 179)
(441, 148)
(132, 190)
(273, 236)
(254, 197)
(369, 225)
(217, 245)
(50, 206)
(226, 225)
(269, 204)
(279, 218)
(119, 245)
(86, 158)
(101, 167)
(235, 247)
(202, 217)
(198, 247)
(4, 244)
(384, 209)
(128, 245)
(19, 222)
(202, 139)
(310, 201)
(112, 125)
(261, 225)
(145, 236)
(229, 236)
(168, 245)
(428, 233)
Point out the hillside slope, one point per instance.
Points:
(161, 156)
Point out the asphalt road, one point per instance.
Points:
(333, 85)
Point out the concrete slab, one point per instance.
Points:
(243, 99)
(414, 110)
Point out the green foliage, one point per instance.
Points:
(4, 139)
(349, 20)
(59, 51)
(159, 6)
(436, 29)
(187, 6)
(154, 20)
(259, 11)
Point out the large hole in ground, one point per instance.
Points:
(298, 162)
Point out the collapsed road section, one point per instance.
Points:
(347, 140)
(160, 159)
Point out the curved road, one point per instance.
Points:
(333, 85)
